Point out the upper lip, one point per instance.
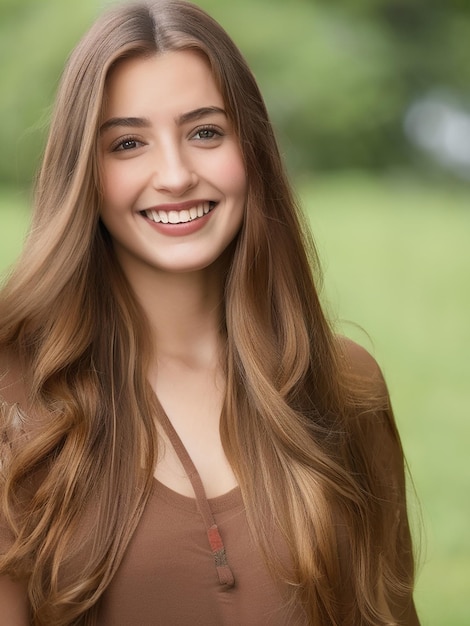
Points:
(178, 206)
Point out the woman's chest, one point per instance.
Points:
(169, 575)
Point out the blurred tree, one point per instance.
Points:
(329, 77)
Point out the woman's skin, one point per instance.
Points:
(166, 144)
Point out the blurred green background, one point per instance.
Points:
(371, 103)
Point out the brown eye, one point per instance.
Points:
(128, 143)
(207, 133)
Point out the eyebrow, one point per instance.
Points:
(197, 114)
(144, 122)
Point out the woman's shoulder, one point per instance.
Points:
(372, 422)
(358, 361)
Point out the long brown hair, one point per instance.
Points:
(74, 337)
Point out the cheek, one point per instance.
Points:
(121, 179)
(112, 186)
(231, 174)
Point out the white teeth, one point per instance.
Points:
(179, 217)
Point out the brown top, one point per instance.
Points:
(192, 562)
(168, 575)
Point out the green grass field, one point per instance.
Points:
(396, 257)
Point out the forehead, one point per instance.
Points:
(169, 82)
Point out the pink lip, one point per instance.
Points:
(180, 230)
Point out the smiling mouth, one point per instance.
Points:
(179, 217)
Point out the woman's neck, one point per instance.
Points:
(184, 312)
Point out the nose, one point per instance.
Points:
(173, 172)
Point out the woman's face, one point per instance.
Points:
(172, 173)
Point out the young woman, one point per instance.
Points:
(184, 439)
